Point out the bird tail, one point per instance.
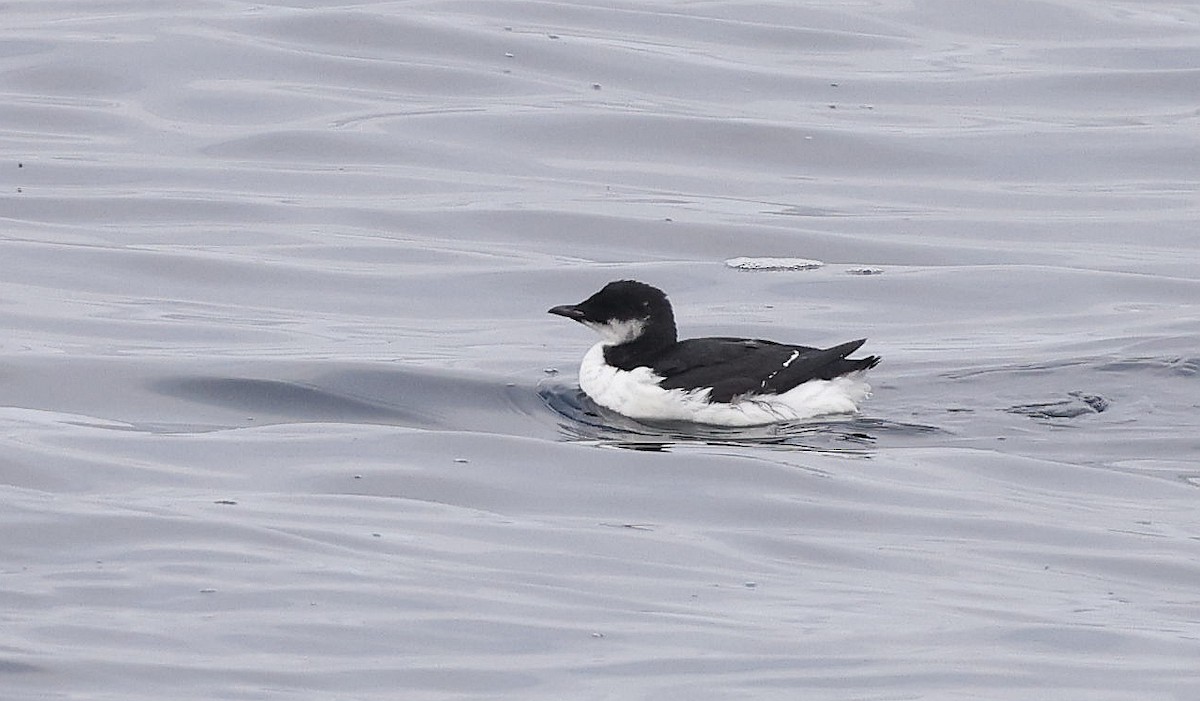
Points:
(843, 365)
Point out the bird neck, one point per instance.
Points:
(654, 339)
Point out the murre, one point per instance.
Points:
(640, 369)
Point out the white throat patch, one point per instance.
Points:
(614, 333)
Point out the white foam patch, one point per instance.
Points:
(774, 263)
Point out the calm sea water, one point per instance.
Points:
(283, 416)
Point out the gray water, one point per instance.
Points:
(283, 415)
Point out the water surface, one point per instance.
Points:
(283, 415)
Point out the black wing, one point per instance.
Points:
(734, 367)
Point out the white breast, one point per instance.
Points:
(635, 393)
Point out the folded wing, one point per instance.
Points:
(734, 367)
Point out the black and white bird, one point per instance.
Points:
(641, 370)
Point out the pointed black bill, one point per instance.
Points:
(568, 310)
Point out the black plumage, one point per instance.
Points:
(737, 367)
(732, 367)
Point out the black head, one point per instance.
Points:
(625, 311)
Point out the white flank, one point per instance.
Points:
(635, 393)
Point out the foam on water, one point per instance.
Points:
(745, 263)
